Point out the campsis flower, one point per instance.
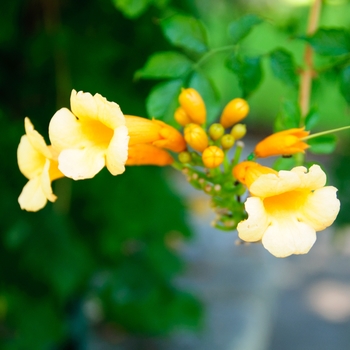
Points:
(89, 137)
(38, 163)
(283, 143)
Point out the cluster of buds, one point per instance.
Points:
(206, 161)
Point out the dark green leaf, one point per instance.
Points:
(169, 64)
(207, 90)
(312, 118)
(289, 117)
(185, 32)
(330, 42)
(248, 71)
(323, 144)
(241, 28)
(163, 100)
(345, 83)
(132, 8)
(283, 66)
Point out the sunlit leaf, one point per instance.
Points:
(283, 66)
(185, 32)
(163, 100)
(345, 83)
(330, 41)
(312, 119)
(289, 116)
(132, 8)
(169, 64)
(239, 29)
(324, 144)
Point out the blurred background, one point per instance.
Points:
(131, 262)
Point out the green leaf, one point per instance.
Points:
(132, 8)
(248, 71)
(241, 28)
(185, 32)
(330, 41)
(169, 64)
(289, 117)
(163, 100)
(207, 90)
(345, 83)
(312, 118)
(283, 163)
(323, 144)
(283, 67)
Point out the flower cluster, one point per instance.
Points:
(284, 209)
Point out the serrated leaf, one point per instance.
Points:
(289, 117)
(207, 90)
(283, 67)
(248, 71)
(132, 8)
(345, 83)
(312, 118)
(168, 64)
(330, 41)
(323, 144)
(185, 32)
(239, 29)
(163, 100)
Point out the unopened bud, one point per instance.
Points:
(185, 157)
(181, 116)
(239, 131)
(196, 137)
(236, 110)
(215, 131)
(212, 157)
(227, 141)
(193, 104)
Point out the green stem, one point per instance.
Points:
(211, 53)
(325, 133)
(238, 152)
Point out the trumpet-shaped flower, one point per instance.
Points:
(146, 154)
(37, 162)
(283, 143)
(287, 208)
(89, 137)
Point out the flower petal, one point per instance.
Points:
(289, 236)
(46, 182)
(315, 178)
(321, 208)
(117, 152)
(83, 105)
(145, 154)
(36, 139)
(109, 113)
(83, 163)
(32, 197)
(30, 161)
(252, 229)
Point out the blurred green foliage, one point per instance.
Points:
(110, 239)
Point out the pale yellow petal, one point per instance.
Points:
(109, 113)
(32, 197)
(312, 180)
(321, 208)
(30, 160)
(83, 105)
(80, 164)
(117, 152)
(252, 229)
(65, 131)
(36, 139)
(273, 184)
(46, 182)
(289, 236)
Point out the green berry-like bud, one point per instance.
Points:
(216, 130)
(185, 157)
(239, 131)
(227, 141)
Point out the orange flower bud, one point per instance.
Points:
(146, 154)
(181, 117)
(155, 132)
(282, 143)
(193, 104)
(212, 157)
(236, 110)
(247, 172)
(196, 137)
